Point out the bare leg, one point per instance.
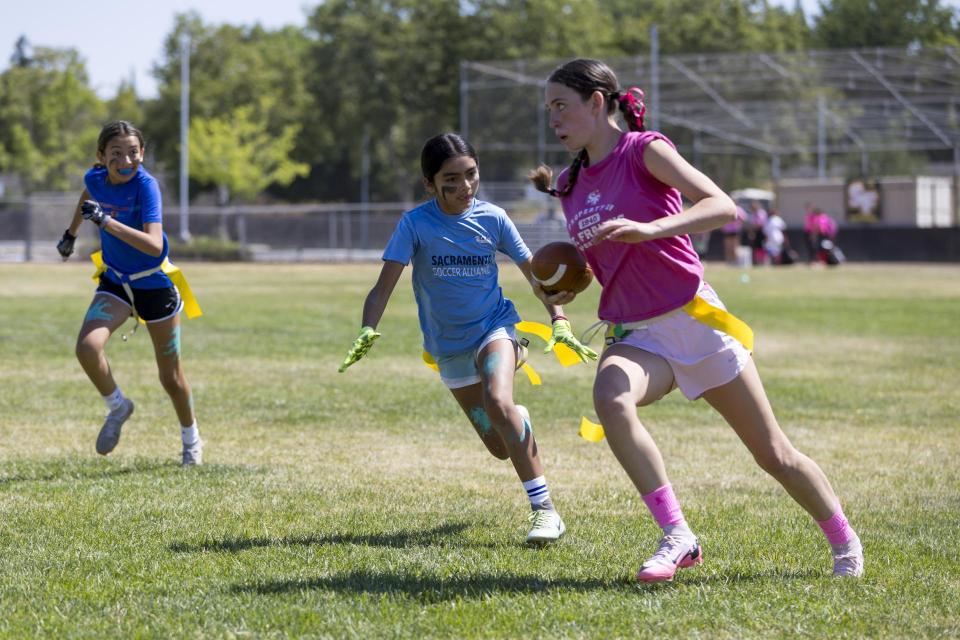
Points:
(497, 363)
(628, 377)
(744, 405)
(471, 401)
(104, 316)
(166, 346)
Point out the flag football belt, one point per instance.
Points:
(190, 304)
(713, 316)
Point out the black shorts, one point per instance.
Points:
(153, 305)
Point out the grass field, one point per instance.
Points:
(363, 505)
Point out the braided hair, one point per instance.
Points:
(586, 76)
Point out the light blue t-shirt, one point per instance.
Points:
(455, 283)
(133, 203)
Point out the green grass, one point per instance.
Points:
(363, 505)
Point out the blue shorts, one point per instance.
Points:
(461, 370)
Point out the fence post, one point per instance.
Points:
(28, 231)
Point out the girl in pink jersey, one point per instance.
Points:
(667, 328)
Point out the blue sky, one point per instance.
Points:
(132, 43)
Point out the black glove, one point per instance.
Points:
(91, 211)
(65, 246)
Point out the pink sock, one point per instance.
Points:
(664, 506)
(837, 529)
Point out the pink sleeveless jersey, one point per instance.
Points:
(642, 280)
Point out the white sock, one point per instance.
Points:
(115, 400)
(190, 434)
(539, 494)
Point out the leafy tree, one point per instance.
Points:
(230, 67)
(239, 155)
(126, 105)
(49, 119)
(886, 23)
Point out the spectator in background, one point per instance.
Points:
(809, 235)
(755, 238)
(774, 243)
(822, 236)
(731, 236)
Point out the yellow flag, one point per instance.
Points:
(590, 431)
(564, 354)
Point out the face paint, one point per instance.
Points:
(527, 430)
(491, 363)
(98, 311)
(480, 420)
(172, 348)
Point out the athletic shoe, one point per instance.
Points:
(525, 414)
(193, 454)
(675, 552)
(545, 527)
(110, 431)
(848, 559)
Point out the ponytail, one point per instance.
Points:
(542, 177)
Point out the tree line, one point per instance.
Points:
(296, 113)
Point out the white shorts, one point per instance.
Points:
(701, 357)
(461, 370)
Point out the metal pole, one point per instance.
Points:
(464, 97)
(185, 137)
(654, 78)
(365, 189)
(821, 137)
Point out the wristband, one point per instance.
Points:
(559, 316)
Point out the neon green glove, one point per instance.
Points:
(563, 334)
(368, 335)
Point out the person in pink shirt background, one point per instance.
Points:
(621, 197)
(731, 235)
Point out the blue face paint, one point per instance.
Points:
(481, 420)
(98, 311)
(173, 347)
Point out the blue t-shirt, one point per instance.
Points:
(133, 203)
(455, 283)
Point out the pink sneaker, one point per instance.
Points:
(675, 552)
(848, 559)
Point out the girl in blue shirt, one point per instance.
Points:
(468, 325)
(123, 200)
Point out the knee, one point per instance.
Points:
(611, 406)
(779, 460)
(88, 350)
(173, 380)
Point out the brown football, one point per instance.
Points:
(559, 266)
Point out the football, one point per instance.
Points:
(559, 266)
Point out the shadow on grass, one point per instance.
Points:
(400, 539)
(429, 589)
(73, 469)
(433, 588)
(100, 469)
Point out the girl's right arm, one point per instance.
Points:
(65, 245)
(373, 308)
(376, 302)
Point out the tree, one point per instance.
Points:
(886, 23)
(239, 155)
(230, 67)
(49, 119)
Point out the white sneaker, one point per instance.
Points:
(192, 455)
(545, 527)
(848, 559)
(110, 431)
(522, 410)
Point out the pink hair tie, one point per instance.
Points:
(635, 105)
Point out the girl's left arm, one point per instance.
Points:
(712, 208)
(150, 240)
